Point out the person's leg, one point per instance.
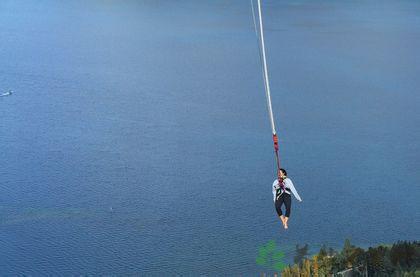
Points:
(279, 203)
(288, 204)
(278, 207)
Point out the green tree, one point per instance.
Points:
(323, 252)
(338, 263)
(378, 261)
(347, 252)
(405, 254)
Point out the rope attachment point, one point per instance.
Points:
(276, 142)
(276, 150)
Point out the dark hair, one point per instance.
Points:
(284, 171)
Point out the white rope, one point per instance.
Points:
(264, 63)
(259, 44)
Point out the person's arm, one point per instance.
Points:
(275, 189)
(292, 188)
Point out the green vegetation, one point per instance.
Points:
(268, 256)
(400, 259)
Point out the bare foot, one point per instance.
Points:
(282, 219)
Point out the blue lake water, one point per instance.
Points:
(137, 139)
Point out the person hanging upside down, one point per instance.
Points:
(281, 195)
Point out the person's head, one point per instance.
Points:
(282, 173)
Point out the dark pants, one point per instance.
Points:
(287, 200)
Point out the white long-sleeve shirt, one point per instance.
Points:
(287, 184)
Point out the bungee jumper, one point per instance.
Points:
(281, 195)
(282, 186)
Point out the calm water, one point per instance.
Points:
(137, 139)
